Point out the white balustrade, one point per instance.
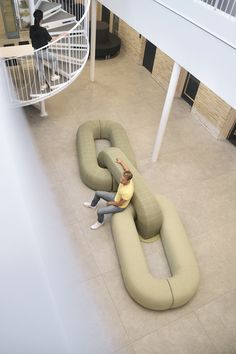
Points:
(227, 7)
(27, 70)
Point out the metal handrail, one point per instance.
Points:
(67, 54)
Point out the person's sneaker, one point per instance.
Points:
(88, 205)
(55, 77)
(96, 225)
(43, 86)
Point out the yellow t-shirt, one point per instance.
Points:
(125, 192)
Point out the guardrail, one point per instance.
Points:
(30, 77)
(227, 7)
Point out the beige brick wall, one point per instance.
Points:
(131, 42)
(214, 113)
(99, 11)
(162, 69)
(212, 110)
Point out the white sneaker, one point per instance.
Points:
(43, 86)
(88, 205)
(96, 225)
(55, 77)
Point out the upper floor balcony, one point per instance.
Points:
(200, 35)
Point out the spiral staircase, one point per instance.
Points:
(69, 22)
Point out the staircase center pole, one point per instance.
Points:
(43, 112)
(31, 10)
(93, 39)
(166, 110)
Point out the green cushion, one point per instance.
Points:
(148, 212)
(93, 175)
(149, 291)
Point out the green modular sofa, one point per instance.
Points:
(147, 217)
(92, 174)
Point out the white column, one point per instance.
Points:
(166, 110)
(44, 306)
(31, 10)
(93, 39)
(43, 112)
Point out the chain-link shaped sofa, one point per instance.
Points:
(147, 216)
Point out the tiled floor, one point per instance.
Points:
(194, 170)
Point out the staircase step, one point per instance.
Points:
(36, 90)
(49, 8)
(58, 19)
(75, 41)
(64, 69)
(65, 28)
(36, 3)
(75, 56)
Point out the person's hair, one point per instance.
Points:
(128, 175)
(38, 16)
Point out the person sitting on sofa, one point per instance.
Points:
(116, 202)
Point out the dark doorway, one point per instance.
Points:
(232, 135)
(190, 89)
(105, 15)
(149, 56)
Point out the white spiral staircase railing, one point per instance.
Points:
(70, 50)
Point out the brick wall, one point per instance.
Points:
(99, 11)
(211, 110)
(162, 68)
(131, 42)
(214, 113)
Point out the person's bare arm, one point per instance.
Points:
(120, 162)
(65, 34)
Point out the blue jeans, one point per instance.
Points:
(44, 55)
(110, 209)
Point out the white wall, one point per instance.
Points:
(175, 28)
(45, 307)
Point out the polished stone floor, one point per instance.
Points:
(195, 171)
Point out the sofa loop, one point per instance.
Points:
(147, 215)
(93, 174)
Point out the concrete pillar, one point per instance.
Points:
(166, 110)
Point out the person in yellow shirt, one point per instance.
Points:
(116, 202)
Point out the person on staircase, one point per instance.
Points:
(40, 38)
(116, 202)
